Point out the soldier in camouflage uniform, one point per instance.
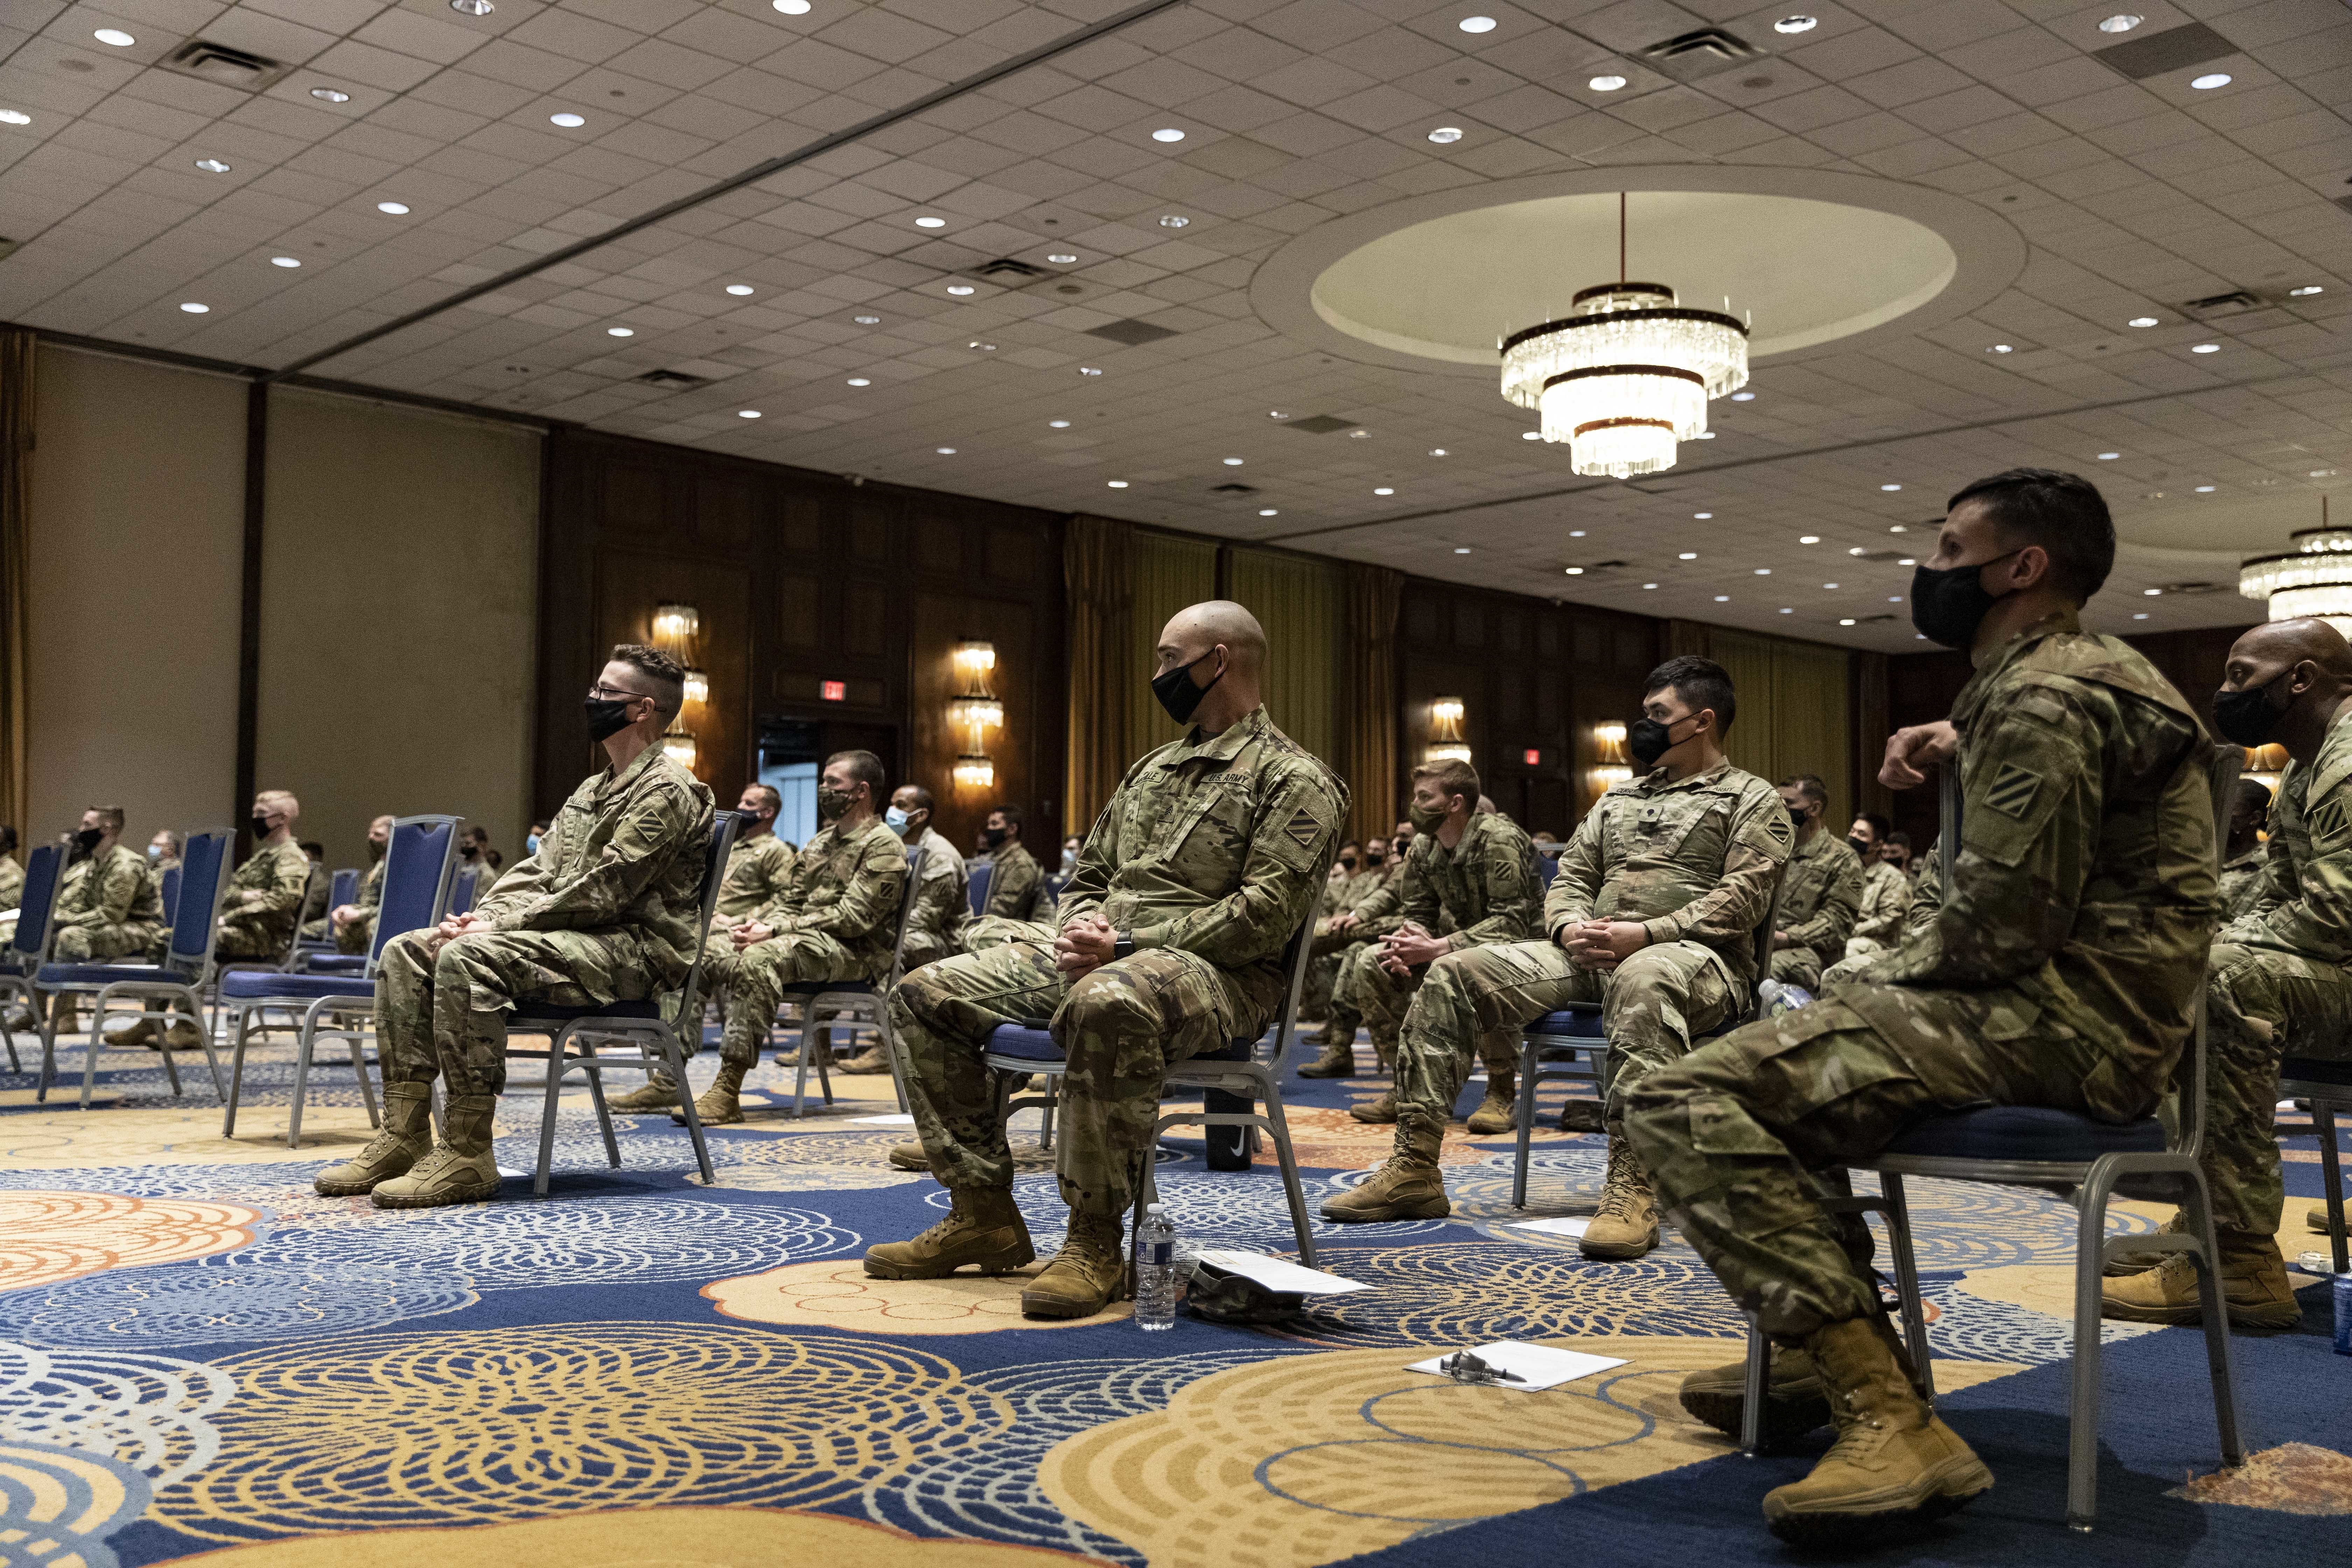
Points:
(1016, 883)
(757, 868)
(2243, 856)
(1820, 892)
(1470, 868)
(2061, 972)
(12, 876)
(2277, 984)
(941, 918)
(115, 908)
(1653, 914)
(608, 909)
(1885, 890)
(836, 918)
(1342, 940)
(1206, 861)
(351, 925)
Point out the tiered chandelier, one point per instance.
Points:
(1625, 376)
(2314, 579)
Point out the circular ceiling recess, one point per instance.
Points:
(1807, 258)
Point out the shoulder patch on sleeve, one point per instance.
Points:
(1777, 829)
(2013, 788)
(1302, 829)
(2328, 821)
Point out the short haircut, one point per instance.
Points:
(1350, 844)
(1879, 827)
(7, 839)
(283, 800)
(2062, 512)
(863, 765)
(1012, 815)
(1900, 840)
(1453, 775)
(2260, 791)
(1699, 683)
(668, 675)
(1810, 786)
(475, 831)
(921, 797)
(314, 850)
(167, 835)
(113, 814)
(774, 797)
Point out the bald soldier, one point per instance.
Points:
(1653, 914)
(1820, 892)
(1208, 858)
(2276, 984)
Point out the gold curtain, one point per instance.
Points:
(1369, 700)
(1095, 566)
(17, 352)
(1165, 573)
(1302, 606)
(1793, 716)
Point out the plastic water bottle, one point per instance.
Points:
(1155, 1271)
(1778, 997)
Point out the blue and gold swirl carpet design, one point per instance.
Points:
(200, 1356)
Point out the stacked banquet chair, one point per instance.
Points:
(574, 1034)
(844, 1001)
(2080, 1160)
(28, 945)
(181, 978)
(416, 874)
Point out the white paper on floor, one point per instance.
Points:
(1281, 1274)
(902, 1120)
(1561, 1226)
(1542, 1366)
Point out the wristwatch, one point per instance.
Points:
(1121, 946)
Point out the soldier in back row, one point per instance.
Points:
(1820, 892)
(2243, 852)
(1016, 883)
(1339, 937)
(1885, 890)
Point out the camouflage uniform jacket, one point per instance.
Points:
(371, 893)
(943, 896)
(1885, 900)
(1215, 845)
(2084, 891)
(2240, 877)
(848, 887)
(1820, 894)
(281, 875)
(624, 859)
(1016, 885)
(1694, 861)
(1486, 885)
(2302, 901)
(12, 883)
(755, 875)
(115, 889)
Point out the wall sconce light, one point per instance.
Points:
(678, 745)
(1609, 753)
(675, 626)
(1446, 738)
(697, 687)
(976, 711)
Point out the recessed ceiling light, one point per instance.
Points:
(867, 321)
(2210, 80)
(1276, 414)
(1788, 610)
(861, 381)
(961, 290)
(1573, 570)
(1906, 560)
(1689, 555)
(2001, 349)
(1845, 621)
(1088, 370)
(2204, 489)
(2121, 22)
(984, 348)
(620, 332)
(1061, 258)
(1795, 25)
(944, 451)
(2322, 473)
(1171, 220)
(1057, 424)
(2141, 321)
(1649, 584)
(1702, 516)
(14, 117)
(1477, 23)
(2152, 593)
(1890, 487)
(1857, 549)
(1118, 484)
(792, 7)
(740, 290)
(1808, 539)
(1829, 585)
(115, 35)
(395, 208)
(1743, 397)
(1385, 491)
(1168, 133)
(194, 309)
(2109, 456)
(1722, 598)
(284, 261)
(2139, 615)
(2205, 348)
(1267, 511)
(1576, 534)
(1763, 570)
(568, 120)
(212, 165)
(747, 414)
(1893, 598)
(1606, 83)
(1445, 135)
(1705, 435)
(330, 95)
(1461, 550)
(1232, 462)
(2308, 289)
(1898, 527)
(473, 7)
(1530, 434)
(1437, 451)
(931, 223)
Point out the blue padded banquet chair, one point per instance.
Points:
(854, 1001)
(28, 944)
(981, 875)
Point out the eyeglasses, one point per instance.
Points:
(603, 693)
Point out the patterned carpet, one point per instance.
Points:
(198, 1354)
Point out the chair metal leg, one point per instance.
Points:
(2083, 1428)
(1906, 1284)
(547, 1117)
(823, 1063)
(1052, 1103)
(596, 1097)
(1529, 1053)
(2213, 1307)
(1759, 1379)
(236, 1078)
(212, 1062)
(1279, 1127)
(677, 1054)
(306, 1047)
(2331, 1170)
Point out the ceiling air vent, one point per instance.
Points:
(669, 380)
(1873, 620)
(2230, 304)
(1689, 56)
(2175, 49)
(1232, 490)
(1319, 425)
(1129, 332)
(229, 68)
(2198, 588)
(1006, 270)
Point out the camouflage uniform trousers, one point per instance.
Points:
(1651, 1007)
(1797, 966)
(1431, 1080)
(1121, 1026)
(754, 979)
(996, 930)
(927, 947)
(248, 937)
(2263, 1006)
(86, 944)
(443, 1013)
(1741, 1137)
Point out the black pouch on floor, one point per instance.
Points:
(1219, 1296)
(1227, 1148)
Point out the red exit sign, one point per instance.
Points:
(1532, 757)
(834, 691)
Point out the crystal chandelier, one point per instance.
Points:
(1626, 375)
(2314, 580)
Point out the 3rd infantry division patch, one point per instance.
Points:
(1304, 829)
(2326, 820)
(2012, 789)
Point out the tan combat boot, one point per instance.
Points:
(1499, 1111)
(2128, 1263)
(2255, 1289)
(405, 1138)
(983, 1228)
(655, 1095)
(132, 1036)
(1379, 1112)
(1088, 1274)
(717, 1106)
(910, 1157)
(1338, 1061)
(2316, 1218)
(182, 1036)
(1626, 1225)
(869, 1060)
(460, 1169)
(1794, 1401)
(1893, 1464)
(1408, 1186)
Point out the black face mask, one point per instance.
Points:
(1646, 740)
(994, 837)
(1348, 861)
(87, 840)
(1177, 694)
(2246, 718)
(1861, 848)
(607, 716)
(1948, 605)
(260, 826)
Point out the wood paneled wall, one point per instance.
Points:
(802, 579)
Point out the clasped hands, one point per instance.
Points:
(455, 926)
(1409, 947)
(1603, 945)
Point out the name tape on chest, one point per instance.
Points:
(2013, 789)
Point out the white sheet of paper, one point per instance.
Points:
(2286, 1107)
(1542, 1366)
(1562, 1226)
(1281, 1274)
(900, 1120)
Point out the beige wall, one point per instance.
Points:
(398, 593)
(138, 501)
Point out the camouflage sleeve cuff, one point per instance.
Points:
(1149, 936)
(1665, 928)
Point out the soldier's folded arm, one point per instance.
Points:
(524, 882)
(1511, 911)
(1736, 906)
(279, 900)
(640, 847)
(1576, 884)
(1289, 844)
(868, 901)
(2313, 919)
(1387, 900)
(1832, 918)
(1089, 882)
